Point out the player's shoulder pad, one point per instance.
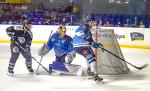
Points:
(87, 26)
(55, 34)
(29, 33)
(68, 38)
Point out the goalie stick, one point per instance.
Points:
(139, 68)
(33, 58)
(39, 65)
(42, 56)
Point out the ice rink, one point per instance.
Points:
(136, 80)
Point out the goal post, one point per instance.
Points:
(108, 64)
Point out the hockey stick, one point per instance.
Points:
(32, 57)
(139, 68)
(39, 64)
(42, 56)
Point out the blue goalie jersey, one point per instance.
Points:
(61, 45)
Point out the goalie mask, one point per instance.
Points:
(62, 31)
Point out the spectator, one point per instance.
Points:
(107, 24)
(69, 8)
(119, 24)
(47, 21)
(40, 6)
(53, 16)
(100, 23)
(64, 21)
(141, 24)
(135, 22)
(75, 9)
(127, 23)
(62, 8)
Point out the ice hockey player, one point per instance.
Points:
(62, 45)
(21, 38)
(83, 42)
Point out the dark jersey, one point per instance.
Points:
(23, 38)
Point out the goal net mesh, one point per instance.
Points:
(108, 64)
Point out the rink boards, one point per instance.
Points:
(127, 37)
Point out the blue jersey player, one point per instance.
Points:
(82, 42)
(62, 45)
(20, 38)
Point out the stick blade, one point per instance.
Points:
(144, 66)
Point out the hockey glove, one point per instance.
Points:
(95, 45)
(101, 46)
(69, 57)
(10, 31)
(43, 50)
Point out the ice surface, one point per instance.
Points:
(23, 81)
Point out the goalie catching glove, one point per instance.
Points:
(43, 50)
(70, 56)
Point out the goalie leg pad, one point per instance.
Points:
(70, 69)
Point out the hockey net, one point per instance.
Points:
(108, 64)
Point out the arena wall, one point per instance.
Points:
(127, 37)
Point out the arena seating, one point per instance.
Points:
(38, 18)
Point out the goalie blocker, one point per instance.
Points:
(69, 69)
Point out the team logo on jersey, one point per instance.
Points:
(85, 52)
(63, 41)
(21, 40)
(15, 49)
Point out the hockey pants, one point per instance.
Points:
(15, 52)
(89, 55)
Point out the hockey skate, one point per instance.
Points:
(98, 79)
(90, 75)
(95, 77)
(10, 73)
(30, 70)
